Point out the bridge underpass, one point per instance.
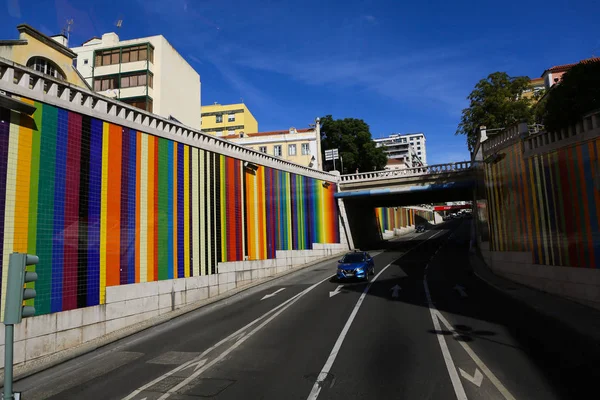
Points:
(362, 193)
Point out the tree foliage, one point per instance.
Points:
(577, 94)
(495, 102)
(355, 145)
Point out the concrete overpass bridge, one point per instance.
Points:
(363, 192)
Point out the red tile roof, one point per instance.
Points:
(536, 80)
(566, 67)
(271, 133)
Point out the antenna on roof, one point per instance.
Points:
(242, 100)
(119, 24)
(68, 28)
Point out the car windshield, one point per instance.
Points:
(352, 258)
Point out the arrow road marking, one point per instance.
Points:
(336, 291)
(272, 294)
(461, 291)
(476, 379)
(495, 381)
(198, 365)
(395, 291)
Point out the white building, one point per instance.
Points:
(410, 148)
(300, 146)
(147, 73)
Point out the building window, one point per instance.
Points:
(291, 149)
(277, 150)
(139, 102)
(128, 54)
(219, 118)
(46, 67)
(231, 132)
(85, 62)
(263, 149)
(137, 80)
(231, 118)
(305, 149)
(105, 83)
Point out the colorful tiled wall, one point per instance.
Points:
(547, 204)
(391, 218)
(103, 205)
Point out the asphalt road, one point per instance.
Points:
(424, 328)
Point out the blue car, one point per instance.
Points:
(357, 264)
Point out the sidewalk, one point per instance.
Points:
(580, 318)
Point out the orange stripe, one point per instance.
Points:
(151, 222)
(113, 215)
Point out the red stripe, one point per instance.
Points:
(231, 216)
(71, 235)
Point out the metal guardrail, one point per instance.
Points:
(408, 172)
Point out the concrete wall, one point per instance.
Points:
(42, 337)
(538, 211)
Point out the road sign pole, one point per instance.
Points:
(334, 164)
(9, 331)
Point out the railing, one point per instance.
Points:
(408, 172)
(502, 139)
(587, 128)
(18, 80)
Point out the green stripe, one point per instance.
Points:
(45, 209)
(34, 178)
(163, 161)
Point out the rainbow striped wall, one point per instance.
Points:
(102, 205)
(391, 218)
(547, 204)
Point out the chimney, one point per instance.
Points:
(62, 39)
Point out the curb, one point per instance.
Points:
(46, 362)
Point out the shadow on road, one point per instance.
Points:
(569, 361)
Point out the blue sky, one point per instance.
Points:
(400, 66)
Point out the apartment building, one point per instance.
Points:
(228, 119)
(147, 73)
(300, 146)
(410, 148)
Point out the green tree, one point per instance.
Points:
(353, 140)
(577, 94)
(495, 102)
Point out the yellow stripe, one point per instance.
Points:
(103, 211)
(21, 214)
(201, 179)
(195, 213)
(186, 208)
(9, 208)
(209, 174)
(144, 209)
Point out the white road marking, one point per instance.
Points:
(476, 379)
(272, 294)
(239, 334)
(461, 290)
(459, 390)
(495, 381)
(316, 389)
(314, 393)
(336, 291)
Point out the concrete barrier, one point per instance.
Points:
(40, 340)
